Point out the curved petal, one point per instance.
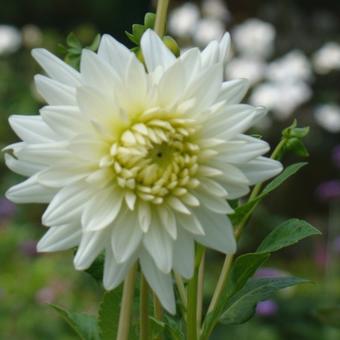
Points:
(21, 167)
(155, 52)
(218, 231)
(184, 254)
(60, 238)
(260, 169)
(159, 245)
(54, 92)
(30, 191)
(161, 283)
(233, 91)
(91, 245)
(56, 68)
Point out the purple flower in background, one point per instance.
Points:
(29, 248)
(336, 244)
(336, 156)
(329, 190)
(268, 272)
(7, 208)
(266, 308)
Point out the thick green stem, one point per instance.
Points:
(161, 16)
(192, 298)
(143, 317)
(222, 280)
(126, 305)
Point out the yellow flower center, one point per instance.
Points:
(157, 158)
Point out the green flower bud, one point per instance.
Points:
(172, 45)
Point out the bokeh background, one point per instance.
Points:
(290, 51)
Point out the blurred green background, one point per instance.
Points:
(29, 281)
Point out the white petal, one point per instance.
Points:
(126, 236)
(54, 92)
(191, 61)
(225, 47)
(184, 254)
(171, 85)
(45, 153)
(190, 223)
(248, 148)
(205, 88)
(64, 173)
(91, 245)
(22, 167)
(159, 245)
(97, 73)
(233, 91)
(155, 52)
(30, 191)
(218, 231)
(114, 273)
(233, 120)
(114, 53)
(66, 121)
(210, 55)
(216, 204)
(144, 216)
(161, 283)
(260, 169)
(56, 68)
(31, 129)
(102, 209)
(60, 238)
(67, 204)
(168, 220)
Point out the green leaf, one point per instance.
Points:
(243, 268)
(131, 37)
(243, 210)
(73, 41)
(97, 268)
(138, 30)
(95, 43)
(149, 20)
(286, 234)
(108, 315)
(241, 307)
(285, 174)
(329, 315)
(83, 324)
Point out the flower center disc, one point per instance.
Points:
(157, 158)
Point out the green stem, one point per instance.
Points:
(161, 15)
(158, 312)
(144, 318)
(126, 305)
(222, 280)
(192, 298)
(181, 289)
(200, 291)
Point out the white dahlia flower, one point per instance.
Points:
(138, 164)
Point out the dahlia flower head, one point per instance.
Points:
(138, 162)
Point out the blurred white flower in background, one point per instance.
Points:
(281, 97)
(244, 67)
(254, 37)
(10, 39)
(183, 20)
(293, 66)
(208, 29)
(216, 9)
(328, 117)
(327, 58)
